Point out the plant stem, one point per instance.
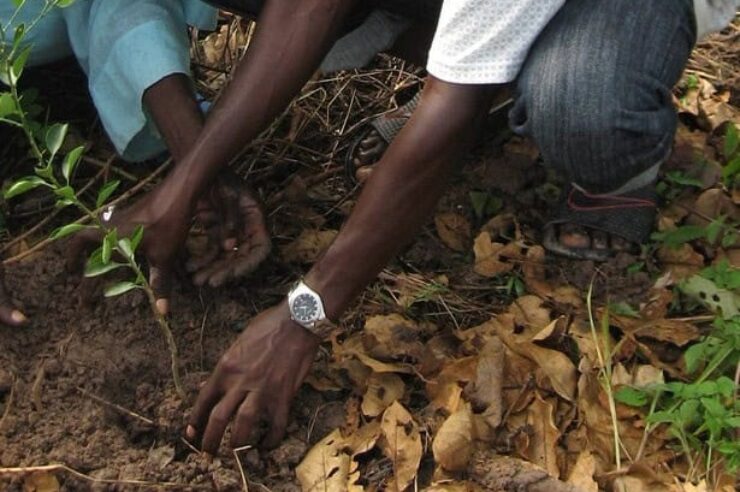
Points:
(605, 377)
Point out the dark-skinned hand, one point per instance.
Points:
(254, 381)
(238, 241)
(9, 314)
(167, 221)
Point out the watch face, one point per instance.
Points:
(305, 308)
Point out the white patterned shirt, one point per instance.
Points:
(487, 41)
(476, 43)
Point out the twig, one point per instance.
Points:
(49, 217)
(115, 406)
(8, 405)
(84, 220)
(241, 468)
(27, 470)
(109, 165)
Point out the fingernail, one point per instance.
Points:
(229, 244)
(190, 432)
(163, 306)
(18, 316)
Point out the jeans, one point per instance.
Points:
(595, 91)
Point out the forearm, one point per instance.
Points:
(292, 38)
(402, 191)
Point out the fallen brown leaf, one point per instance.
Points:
(487, 390)
(453, 444)
(382, 390)
(582, 474)
(454, 230)
(309, 246)
(492, 259)
(402, 445)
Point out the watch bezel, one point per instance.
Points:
(319, 325)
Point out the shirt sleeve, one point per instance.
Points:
(486, 41)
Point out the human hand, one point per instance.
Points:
(166, 221)
(9, 314)
(238, 241)
(256, 379)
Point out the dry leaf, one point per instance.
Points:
(556, 365)
(454, 230)
(325, 466)
(582, 474)
(489, 380)
(542, 448)
(309, 246)
(534, 278)
(391, 337)
(402, 445)
(500, 473)
(453, 444)
(682, 262)
(492, 259)
(529, 312)
(445, 390)
(382, 390)
(41, 482)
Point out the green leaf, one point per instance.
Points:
(23, 185)
(7, 105)
(105, 192)
(732, 141)
(137, 236)
(71, 161)
(693, 356)
(631, 396)
(680, 178)
(66, 192)
(64, 3)
(707, 292)
(124, 246)
(731, 170)
(66, 230)
(19, 64)
(120, 288)
(55, 136)
(109, 243)
(624, 309)
(680, 236)
(96, 269)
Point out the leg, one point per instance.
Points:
(413, 45)
(595, 94)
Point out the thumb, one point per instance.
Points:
(160, 279)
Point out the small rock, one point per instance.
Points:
(6, 381)
(226, 479)
(289, 453)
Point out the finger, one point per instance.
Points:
(78, 249)
(9, 315)
(246, 419)
(160, 279)
(207, 398)
(245, 262)
(278, 424)
(230, 217)
(204, 276)
(218, 421)
(197, 263)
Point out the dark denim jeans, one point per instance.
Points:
(595, 92)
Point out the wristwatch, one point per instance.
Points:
(307, 309)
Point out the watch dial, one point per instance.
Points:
(305, 308)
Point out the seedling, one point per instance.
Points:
(54, 171)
